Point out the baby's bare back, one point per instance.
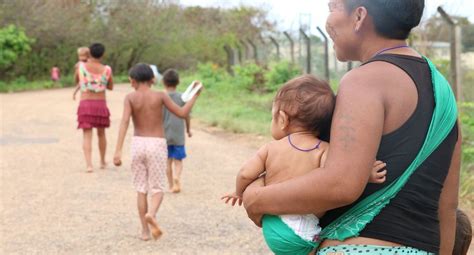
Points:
(147, 113)
(284, 162)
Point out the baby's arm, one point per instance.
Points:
(127, 112)
(249, 172)
(181, 112)
(378, 176)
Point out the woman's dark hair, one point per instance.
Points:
(171, 78)
(393, 19)
(309, 103)
(97, 50)
(141, 73)
(463, 234)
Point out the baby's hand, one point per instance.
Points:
(232, 197)
(117, 159)
(377, 175)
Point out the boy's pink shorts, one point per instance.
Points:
(149, 157)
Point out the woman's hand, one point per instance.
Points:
(250, 201)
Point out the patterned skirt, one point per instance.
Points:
(93, 114)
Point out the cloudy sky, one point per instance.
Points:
(289, 13)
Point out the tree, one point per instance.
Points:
(13, 43)
(436, 29)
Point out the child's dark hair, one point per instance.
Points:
(463, 234)
(393, 19)
(97, 50)
(171, 78)
(141, 73)
(309, 103)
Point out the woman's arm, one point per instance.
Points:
(75, 91)
(355, 136)
(110, 82)
(448, 201)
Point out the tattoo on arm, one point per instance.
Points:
(347, 131)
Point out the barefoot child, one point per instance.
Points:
(83, 55)
(301, 113)
(149, 151)
(174, 130)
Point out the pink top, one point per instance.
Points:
(94, 82)
(55, 73)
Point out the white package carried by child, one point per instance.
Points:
(192, 89)
(156, 73)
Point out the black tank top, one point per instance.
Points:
(411, 218)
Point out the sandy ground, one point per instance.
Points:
(49, 205)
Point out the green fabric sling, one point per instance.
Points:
(351, 223)
(282, 240)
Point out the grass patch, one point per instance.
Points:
(238, 111)
(22, 84)
(237, 104)
(466, 191)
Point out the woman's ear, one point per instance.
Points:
(283, 120)
(360, 16)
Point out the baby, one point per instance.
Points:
(301, 114)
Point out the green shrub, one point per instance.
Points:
(210, 73)
(13, 43)
(121, 78)
(250, 77)
(467, 121)
(280, 73)
(467, 85)
(467, 178)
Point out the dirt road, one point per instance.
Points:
(51, 206)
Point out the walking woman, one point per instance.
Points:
(94, 78)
